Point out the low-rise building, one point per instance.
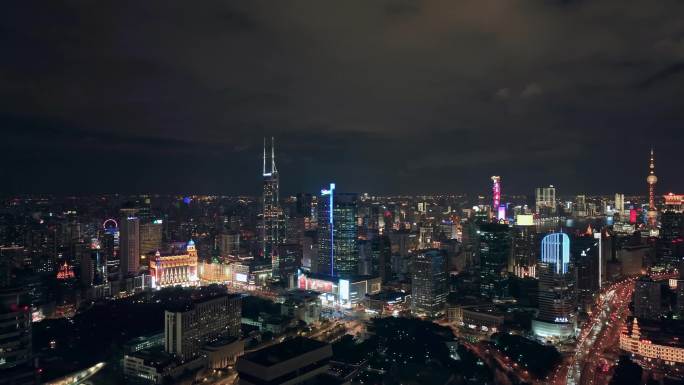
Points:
(290, 362)
(154, 366)
(485, 318)
(654, 349)
(223, 352)
(302, 305)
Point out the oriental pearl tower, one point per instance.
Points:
(652, 179)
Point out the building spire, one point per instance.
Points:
(273, 165)
(264, 168)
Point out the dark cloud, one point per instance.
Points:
(662, 75)
(391, 96)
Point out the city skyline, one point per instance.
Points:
(305, 192)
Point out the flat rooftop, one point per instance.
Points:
(283, 351)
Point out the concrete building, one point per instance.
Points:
(190, 326)
(223, 352)
(155, 366)
(303, 306)
(290, 362)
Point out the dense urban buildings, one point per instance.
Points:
(355, 193)
(219, 276)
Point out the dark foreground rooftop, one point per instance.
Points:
(283, 351)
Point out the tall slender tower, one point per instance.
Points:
(652, 179)
(496, 195)
(271, 216)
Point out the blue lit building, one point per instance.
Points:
(337, 233)
(556, 318)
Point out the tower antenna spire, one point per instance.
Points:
(273, 166)
(264, 168)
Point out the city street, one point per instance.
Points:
(599, 335)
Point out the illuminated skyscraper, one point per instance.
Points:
(429, 283)
(496, 195)
(620, 205)
(337, 233)
(129, 242)
(525, 241)
(652, 179)
(272, 213)
(494, 250)
(556, 318)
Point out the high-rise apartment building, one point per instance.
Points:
(494, 251)
(189, 326)
(337, 233)
(129, 243)
(429, 287)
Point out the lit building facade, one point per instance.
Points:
(664, 354)
(272, 215)
(556, 318)
(175, 269)
(496, 195)
(524, 257)
(429, 287)
(651, 180)
(545, 200)
(337, 233)
(129, 243)
(345, 292)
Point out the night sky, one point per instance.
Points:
(378, 96)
